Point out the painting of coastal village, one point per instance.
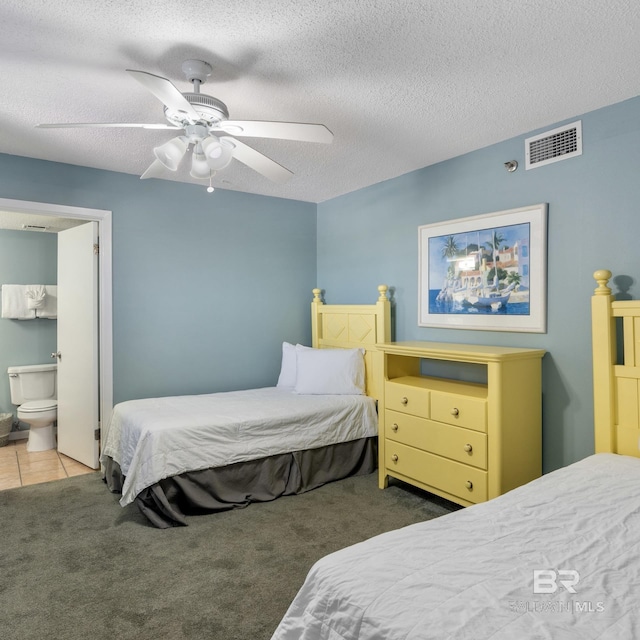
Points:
(484, 271)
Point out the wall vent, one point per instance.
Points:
(555, 145)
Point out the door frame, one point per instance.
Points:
(105, 289)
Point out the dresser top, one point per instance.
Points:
(461, 352)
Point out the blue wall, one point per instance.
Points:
(26, 257)
(371, 236)
(205, 286)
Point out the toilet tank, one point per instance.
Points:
(32, 382)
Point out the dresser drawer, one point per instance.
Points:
(455, 478)
(459, 410)
(445, 440)
(407, 398)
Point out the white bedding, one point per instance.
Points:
(469, 574)
(156, 438)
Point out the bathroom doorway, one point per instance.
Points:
(55, 215)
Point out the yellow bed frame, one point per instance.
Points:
(352, 326)
(616, 387)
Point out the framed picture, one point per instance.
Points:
(485, 272)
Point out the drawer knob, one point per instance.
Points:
(469, 485)
(394, 427)
(468, 448)
(454, 411)
(394, 457)
(404, 400)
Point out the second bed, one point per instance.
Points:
(187, 455)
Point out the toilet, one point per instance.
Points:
(34, 392)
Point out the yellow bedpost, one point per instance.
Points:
(604, 359)
(384, 320)
(384, 312)
(383, 334)
(316, 322)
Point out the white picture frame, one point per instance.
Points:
(459, 286)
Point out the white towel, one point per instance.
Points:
(35, 296)
(14, 302)
(50, 308)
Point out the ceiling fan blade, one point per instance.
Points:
(103, 125)
(154, 170)
(258, 161)
(165, 91)
(300, 131)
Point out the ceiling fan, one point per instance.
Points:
(205, 126)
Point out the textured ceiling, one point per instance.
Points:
(402, 84)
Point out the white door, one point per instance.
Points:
(78, 383)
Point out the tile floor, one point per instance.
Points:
(19, 467)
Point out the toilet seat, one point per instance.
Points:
(37, 406)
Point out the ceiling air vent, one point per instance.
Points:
(34, 227)
(553, 146)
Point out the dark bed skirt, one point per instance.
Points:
(166, 503)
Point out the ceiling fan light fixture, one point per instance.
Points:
(212, 148)
(220, 163)
(199, 167)
(170, 153)
(223, 154)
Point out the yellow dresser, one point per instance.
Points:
(467, 442)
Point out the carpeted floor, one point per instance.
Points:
(74, 565)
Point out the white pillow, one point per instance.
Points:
(287, 379)
(288, 368)
(329, 371)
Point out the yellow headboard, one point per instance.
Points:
(352, 326)
(616, 386)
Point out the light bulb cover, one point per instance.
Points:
(223, 153)
(211, 147)
(199, 167)
(170, 153)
